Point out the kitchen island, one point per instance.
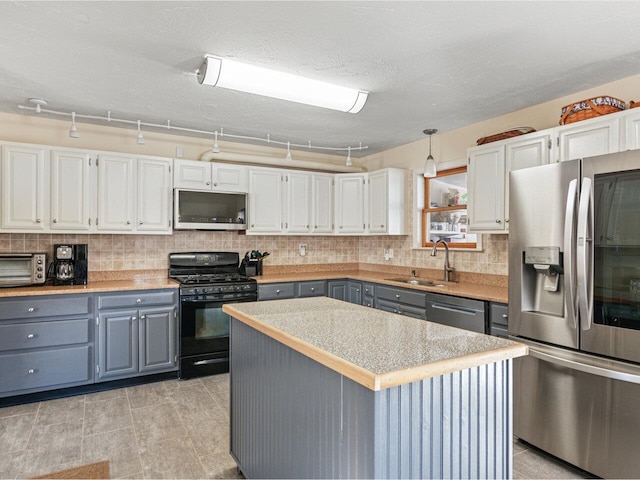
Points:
(326, 389)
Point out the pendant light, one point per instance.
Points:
(73, 132)
(216, 147)
(288, 157)
(430, 170)
(349, 162)
(140, 139)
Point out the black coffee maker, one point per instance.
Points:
(70, 264)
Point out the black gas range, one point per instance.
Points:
(207, 280)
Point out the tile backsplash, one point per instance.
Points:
(109, 252)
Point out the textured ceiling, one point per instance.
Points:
(427, 64)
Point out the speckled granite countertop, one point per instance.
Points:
(478, 291)
(374, 348)
(91, 287)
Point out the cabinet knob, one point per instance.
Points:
(398, 297)
(498, 221)
(313, 289)
(133, 319)
(506, 220)
(128, 222)
(504, 315)
(252, 225)
(381, 226)
(208, 183)
(277, 292)
(30, 336)
(31, 371)
(357, 290)
(38, 220)
(138, 300)
(55, 220)
(31, 309)
(315, 226)
(141, 223)
(142, 317)
(215, 184)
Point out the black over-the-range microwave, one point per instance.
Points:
(198, 210)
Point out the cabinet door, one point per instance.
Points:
(632, 122)
(589, 138)
(71, 190)
(338, 289)
(154, 195)
(157, 339)
(354, 292)
(265, 200)
(378, 201)
(530, 152)
(321, 203)
(23, 188)
(485, 177)
(117, 344)
(298, 202)
(116, 199)
(192, 174)
(230, 178)
(350, 203)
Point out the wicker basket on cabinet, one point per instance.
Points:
(590, 108)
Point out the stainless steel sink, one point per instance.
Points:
(415, 281)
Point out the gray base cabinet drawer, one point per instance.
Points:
(499, 319)
(274, 291)
(401, 295)
(456, 312)
(45, 306)
(407, 310)
(311, 289)
(19, 336)
(139, 299)
(55, 368)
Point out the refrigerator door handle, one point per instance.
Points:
(570, 296)
(592, 367)
(583, 254)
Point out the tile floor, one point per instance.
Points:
(170, 429)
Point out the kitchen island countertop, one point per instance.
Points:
(373, 348)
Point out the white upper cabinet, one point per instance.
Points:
(205, 176)
(23, 187)
(72, 190)
(116, 194)
(351, 203)
(488, 177)
(297, 202)
(485, 183)
(154, 195)
(227, 177)
(632, 121)
(192, 174)
(265, 200)
(322, 203)
(386, 205)
(597, 136)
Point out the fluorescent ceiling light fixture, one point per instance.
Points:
(225, 73)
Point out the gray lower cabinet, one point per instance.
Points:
(457, 312)
(46, 342)
(403, 301)
(275, 291)
(346, 290)
(368, 294)
(499, 319)
(136, 333)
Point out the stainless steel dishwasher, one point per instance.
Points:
(457, 312)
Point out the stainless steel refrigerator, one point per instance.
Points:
(574, 298)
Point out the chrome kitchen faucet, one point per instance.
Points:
(447, 269)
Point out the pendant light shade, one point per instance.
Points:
(430, 169)
(227, 73)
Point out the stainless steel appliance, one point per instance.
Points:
(196, 210)
(70, 264)
(574, 298)
(20, 269)
(208, 281)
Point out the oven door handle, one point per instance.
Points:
(210, 361)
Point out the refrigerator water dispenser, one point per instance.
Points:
(543, 271)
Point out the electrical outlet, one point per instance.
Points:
(302, 248)
(179, 151)
(388, 253)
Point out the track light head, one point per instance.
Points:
(140, 139)
(73, 131)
